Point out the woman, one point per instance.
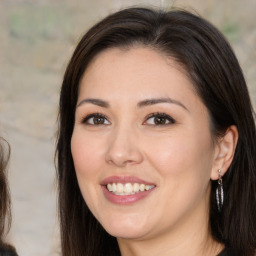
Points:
(5, 210)
(156, 144)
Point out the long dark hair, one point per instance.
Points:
(218, 79)
(5, 202)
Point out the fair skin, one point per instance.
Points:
(139, 120)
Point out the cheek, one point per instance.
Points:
(187, 154)
(86, 153)
(86, 156)
(184, 164)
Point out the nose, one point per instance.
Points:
(123, 149)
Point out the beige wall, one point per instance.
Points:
(36, 41)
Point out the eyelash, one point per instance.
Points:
(162, 116)
(94, 115)
(153, 115)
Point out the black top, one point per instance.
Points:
(7, 251)
(227, 252)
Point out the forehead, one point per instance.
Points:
(138, 53)
(134, 68)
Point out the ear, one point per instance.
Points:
(224, 152)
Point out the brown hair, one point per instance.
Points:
(5, 211)
(5, 200)
(217, 77)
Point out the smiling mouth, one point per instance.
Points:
(128, 188)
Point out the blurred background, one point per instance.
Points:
(37, 38)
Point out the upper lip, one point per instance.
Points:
(124, 179)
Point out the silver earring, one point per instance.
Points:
(220, 192)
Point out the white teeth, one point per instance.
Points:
(113, 187)
(142, 187)
(148, 187)
(109, 186)
(136, 187)
(119, 188)
(128, 188)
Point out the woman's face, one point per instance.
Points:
(141, 144)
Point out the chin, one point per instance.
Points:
(127, 234)
(125, 230)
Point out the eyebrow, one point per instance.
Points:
(144, 103)
(98, 102)
(149, 102)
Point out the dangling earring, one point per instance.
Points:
(220, 192)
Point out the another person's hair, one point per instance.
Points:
(214, 71)
(5, 202)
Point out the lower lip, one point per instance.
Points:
(125, 200)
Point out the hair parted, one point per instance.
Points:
(212, 67)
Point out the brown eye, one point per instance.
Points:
(159, 119)
(95, 119)
(98, 120)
